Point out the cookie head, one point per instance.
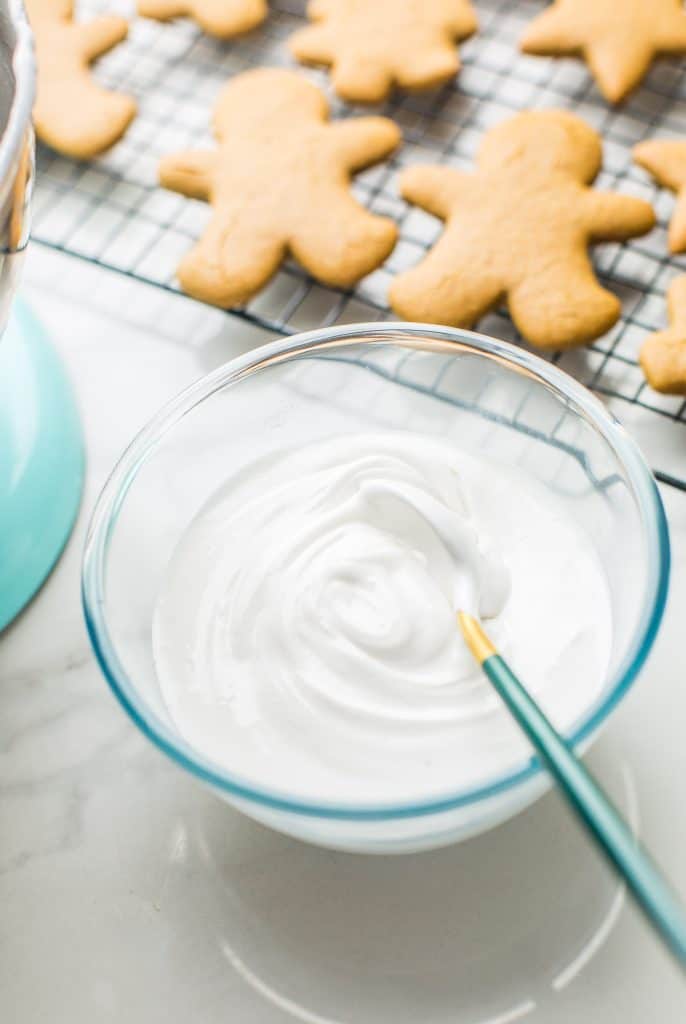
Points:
(267, 96)
(548, 140)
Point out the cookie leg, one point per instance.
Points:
(221, 18)
(563, 307)
(344, 242)
(229, 264)
(162, 10)
(227, 18)
(446, 288)
(80, 119)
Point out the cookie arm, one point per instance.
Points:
(663, 355)
(313, 44)
(611, 217)
(100, 35)
(189, 173)
(665, 159)
(676, 303)
(436, 189)
(363, 141)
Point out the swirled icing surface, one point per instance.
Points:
(305, 637)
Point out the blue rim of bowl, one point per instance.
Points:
(114, 492)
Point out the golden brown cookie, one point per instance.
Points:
(518, 229)
(663, 356)
(72, 113)
(618, 38)
(372, 44)
(279, 183)
(221, 18)
(666, 161)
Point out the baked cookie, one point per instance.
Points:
(666, 161)
(72, 113)
(518, 229)
(220, 18)
(663, 356)
(372, 44)
(618, 38)
(279, 183)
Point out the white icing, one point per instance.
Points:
(306, 636)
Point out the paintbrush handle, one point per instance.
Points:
(652, 891)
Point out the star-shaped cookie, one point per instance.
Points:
(666, 161)
(618, 38)
(373, 44)
(663, 356)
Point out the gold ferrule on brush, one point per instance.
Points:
(477, 641)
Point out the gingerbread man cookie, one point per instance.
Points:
(518, 229)
(72, 113)
(666, 161)
(220, 18)
(373, 44)
(279, 183)
(618, 38)
(663, 356)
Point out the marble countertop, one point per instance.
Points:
(129, 894)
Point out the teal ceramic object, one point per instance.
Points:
(41, 460)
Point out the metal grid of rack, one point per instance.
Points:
(112, 212)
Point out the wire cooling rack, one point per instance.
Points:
(112, 213)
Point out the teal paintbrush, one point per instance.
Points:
(593, 807)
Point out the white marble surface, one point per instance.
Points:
(129, 894)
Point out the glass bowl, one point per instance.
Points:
(486, 395)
